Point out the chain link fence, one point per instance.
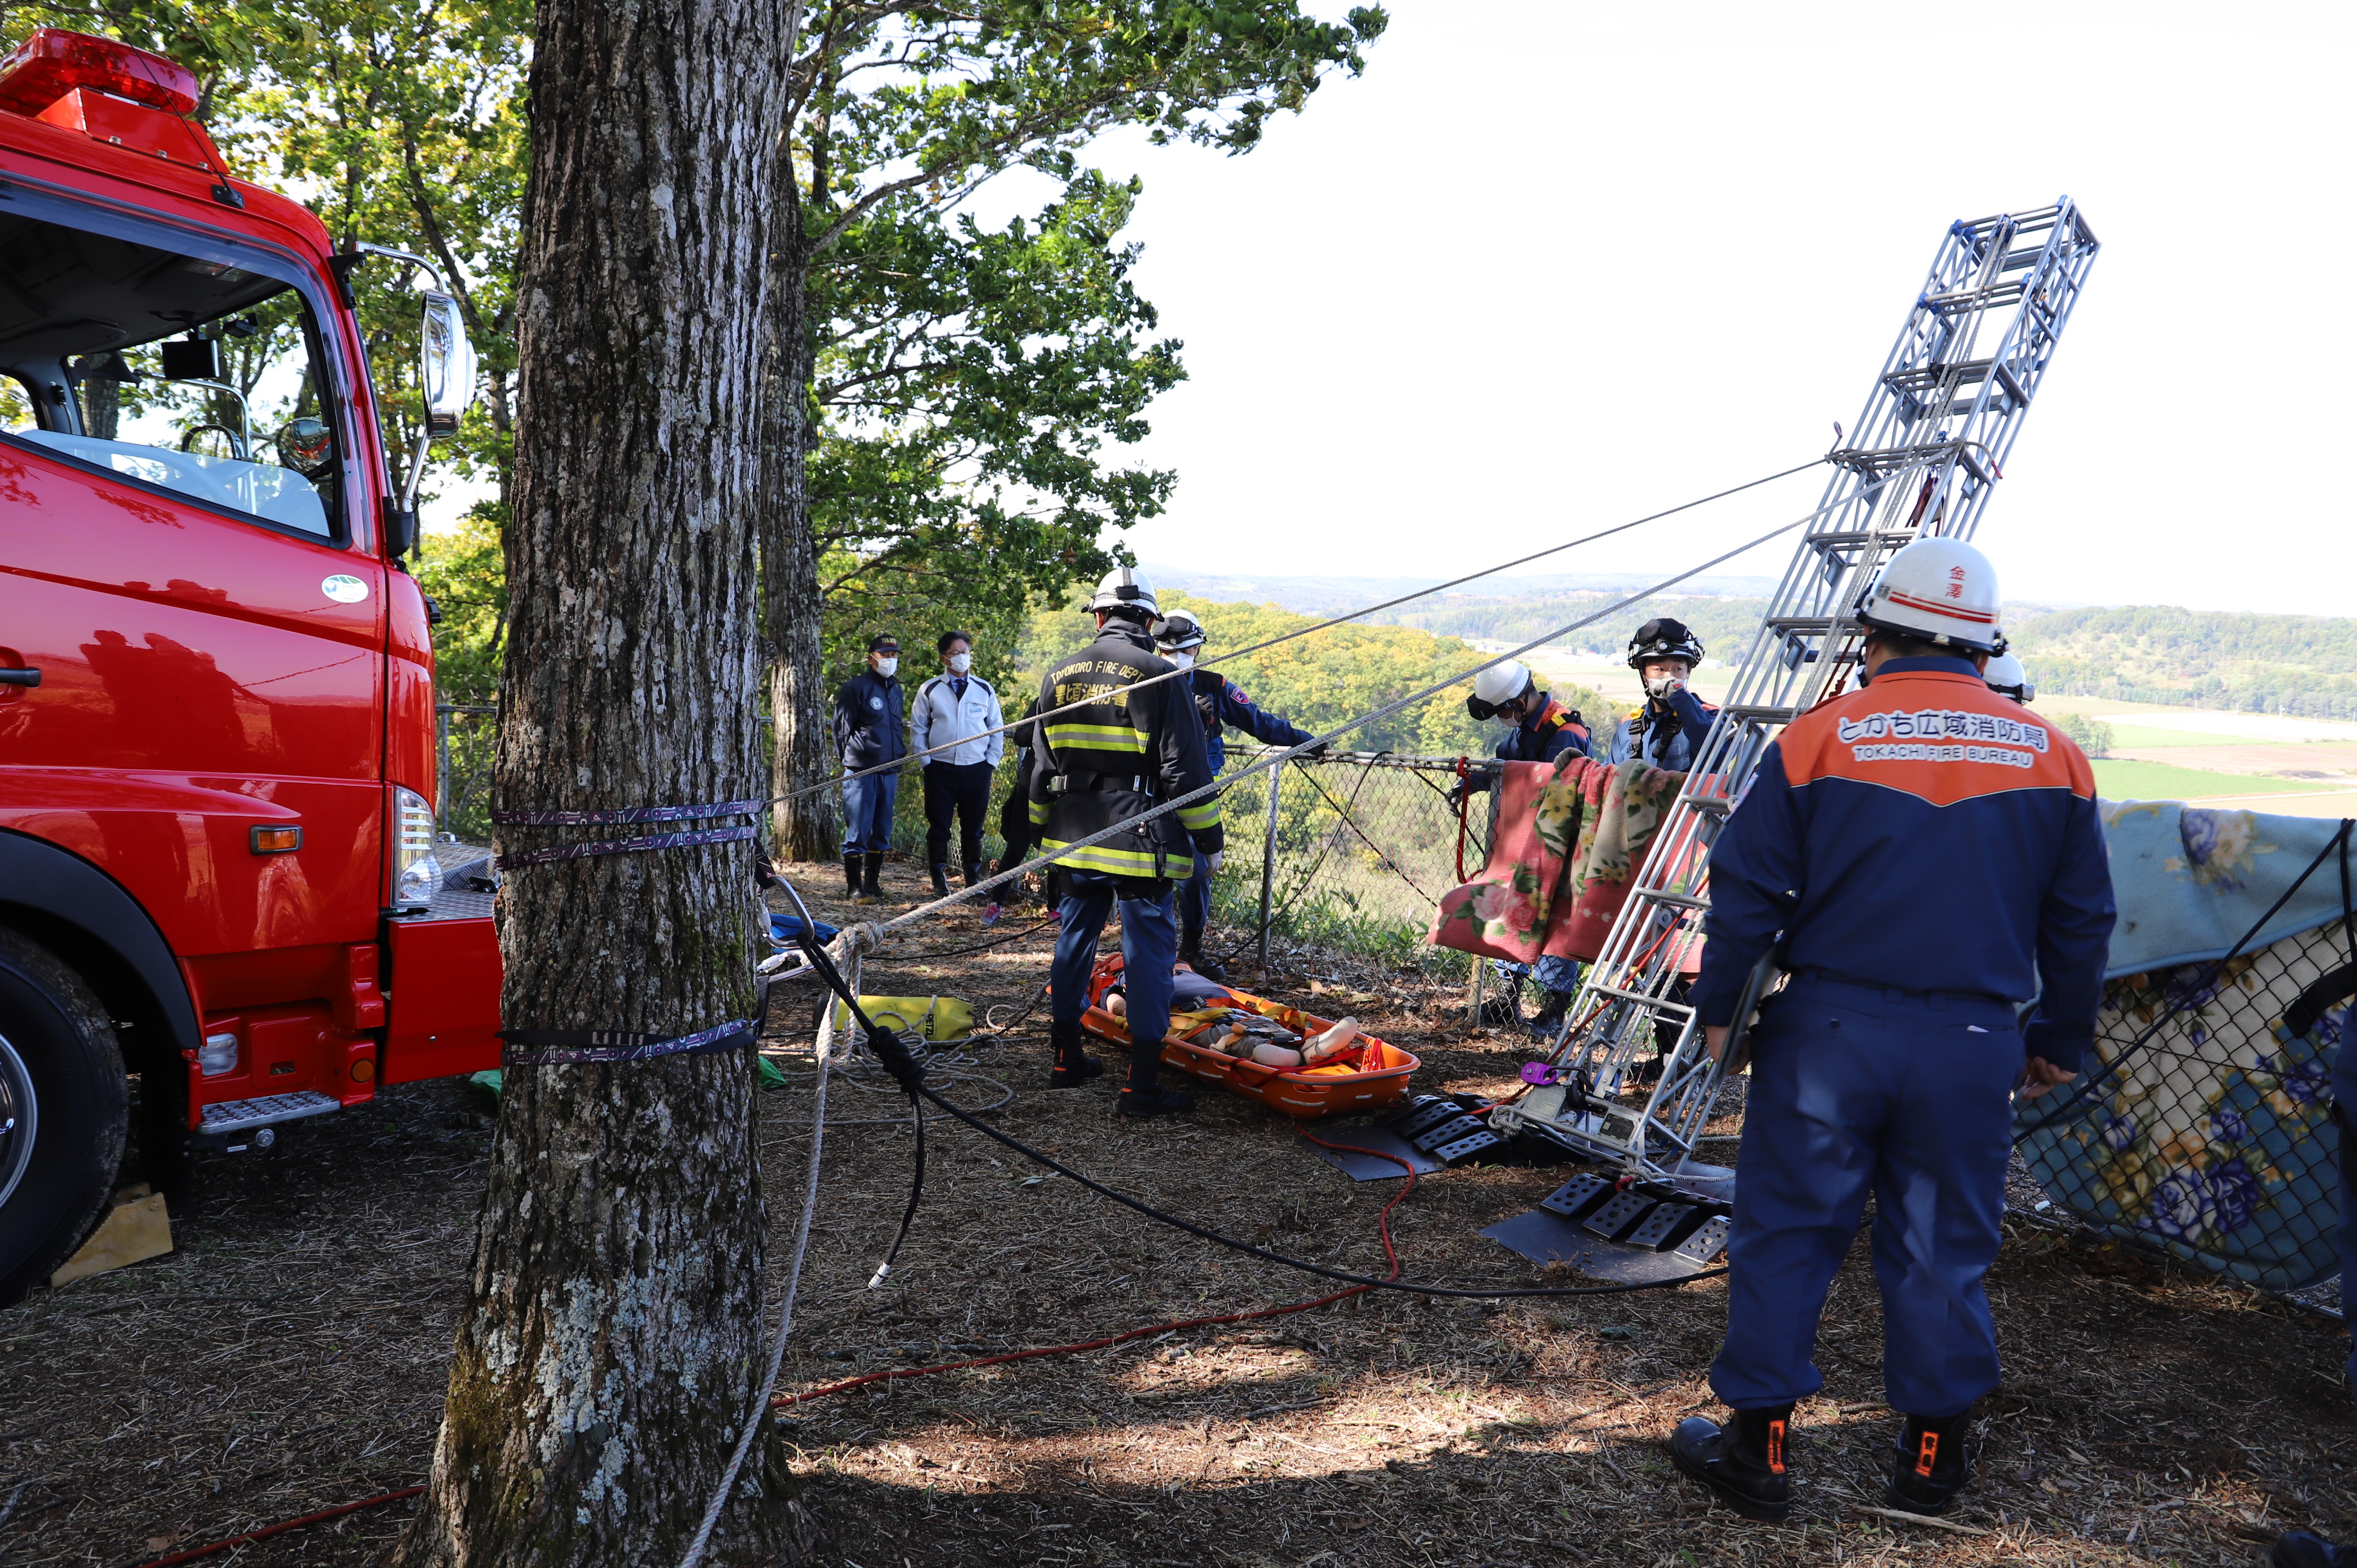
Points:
(2204, 1127)
(1352, 850)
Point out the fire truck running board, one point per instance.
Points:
(244, 1115)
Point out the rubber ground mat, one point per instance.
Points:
(1367, 1168)
(1545, 1238)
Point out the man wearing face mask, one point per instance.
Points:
(1543, 729)
(867, 719)
(1179, 636)
(1667, 730)
(958, 710)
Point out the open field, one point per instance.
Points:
(292, 1354)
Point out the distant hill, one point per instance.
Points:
(1326, 595)
(2304, 665)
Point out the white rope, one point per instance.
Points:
(1271, 758)
(793, 1269)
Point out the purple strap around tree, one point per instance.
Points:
(562, 1047)
(625, 846)
(627, 814)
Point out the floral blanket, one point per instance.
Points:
(2209, 1130)
(1571, 833)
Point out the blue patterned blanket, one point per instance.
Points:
(2207, 1131)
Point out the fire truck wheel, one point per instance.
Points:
(64, 1106)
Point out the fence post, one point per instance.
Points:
(1268, 866)
(441, 763)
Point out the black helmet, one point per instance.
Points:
(1662, 637)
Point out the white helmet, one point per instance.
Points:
(1178, 631)
(1124, 589)
(2007, 678)
(1942, 590)
(1497, 685)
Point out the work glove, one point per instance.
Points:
(1318, 752)
(1216, 859)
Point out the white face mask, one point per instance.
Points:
(1182, 657)
(960, 662)
(1663, 686)
(888, 667)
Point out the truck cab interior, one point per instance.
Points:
(199, 374)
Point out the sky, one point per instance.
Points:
(1550, 266)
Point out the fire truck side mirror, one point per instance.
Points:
(445, 367)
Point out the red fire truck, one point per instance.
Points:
(220, 907)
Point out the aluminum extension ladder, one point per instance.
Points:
(1926, 454)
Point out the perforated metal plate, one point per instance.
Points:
(1702, 1249)
(1370, 1167)
(1448, 1132)
(1620, 1216)
(1665, 1227)
(1467, 1146)
(1427, 1112)
(1545, 1237)
(1574, 1198)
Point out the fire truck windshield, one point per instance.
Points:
(191, 369)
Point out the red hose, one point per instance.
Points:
(1464, 798)
(1383, 1228)
(192, 1553)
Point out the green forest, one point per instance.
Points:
(2303, 665)
(1322, 679)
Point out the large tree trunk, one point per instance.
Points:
(802, 753)
(614, 1339)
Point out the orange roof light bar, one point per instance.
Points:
(54, 62)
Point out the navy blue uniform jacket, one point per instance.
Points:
(1222, 701)
(868, 714)
(1546, 735)
(1924, 833)
(1677, 754)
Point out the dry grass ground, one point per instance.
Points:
(291, 1356)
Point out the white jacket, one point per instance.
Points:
(938, 718)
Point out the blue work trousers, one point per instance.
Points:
(1149, 947)
(1553, 973)
(1195, 900)
(1907, 1096)
(868, 813)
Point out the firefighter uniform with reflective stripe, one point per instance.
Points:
(1919, 853)
(1667, 734)
(1099, 764)
(1547, 734)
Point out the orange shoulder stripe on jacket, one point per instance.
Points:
(1940, 737)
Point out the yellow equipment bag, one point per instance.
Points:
(938, 1019)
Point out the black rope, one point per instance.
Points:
(916, 1085)
(960, 952)
(2080, 1093)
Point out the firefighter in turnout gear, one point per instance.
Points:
(1667, 730)
(1095, 765)
(1179, 638)
(1917, 855)
(1544, 729)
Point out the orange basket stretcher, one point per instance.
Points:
(1373, 1074)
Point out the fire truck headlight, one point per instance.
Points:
(415, 873)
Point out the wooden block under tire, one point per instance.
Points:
(137, 1228)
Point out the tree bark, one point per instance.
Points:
(802, 755)
(614, 1339)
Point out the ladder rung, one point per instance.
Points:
(1766, 711)
(1662, 1003)
(1714, 803)
(1683, 900)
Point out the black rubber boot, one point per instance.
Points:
(1504, 1009)
(1549, 1017)
(941, 882)
(1933, 1462)
(1139, 1103)
(851, 876)
(1190, 953)
(2299, 1548)
(871, 877)
(975, 870)
(1742, 1462)
(1074, 1066)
